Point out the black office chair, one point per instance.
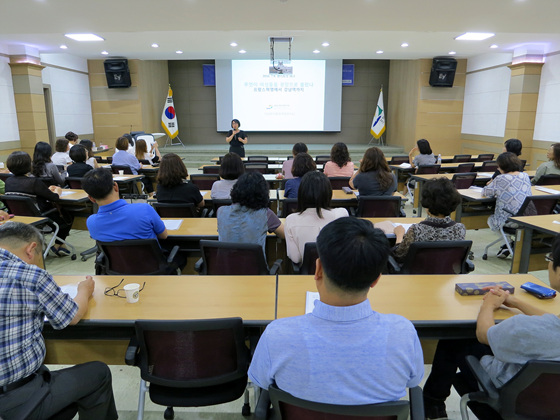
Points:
(217, 203)
(211, 169)
(337, 182)
(489, 166)
(257, 159)
(427, 169)
(308, 263)
(256, 167)
(322, 159)
(74, 182)
(485, 156)
(136, 257)
(462, 158)
(435, 257)
(190, 363)
(397, 160)
(289, 206)
(22, 205)
(125, 168)
(232, 258)
(462, 181)
(5, 175)
(533, 393)
(465, 168)
(549, 180)
(175, 209)
(378, 206)
(288, 407)
(204, 181)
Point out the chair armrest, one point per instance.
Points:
(172, 254)
(275, 267)
(263, 405)
(131, 352)
(416, 403)
(295, 267)
(100, 259)
(482, 377)
(46, 213)
(199, 266)
(392, 265)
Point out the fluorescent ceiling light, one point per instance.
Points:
(178, 52)
(155, 45)
(104, 53)
(379, 52)
(452, 53)
(493, 46)
(63, 47)
(325, 44)
(233, 44)
(474, 36)
(84, 37)
(242, 51)
(404, 45)
(316, 51)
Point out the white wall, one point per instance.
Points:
(486, 95)
(8, 118)
(70, 93)
(547, 122)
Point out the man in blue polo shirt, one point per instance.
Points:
(343, 352)
(117, 220)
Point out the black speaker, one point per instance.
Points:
(117, 73)
(443, 72)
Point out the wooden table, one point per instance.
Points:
(429, 301)
(73, 196)
(28, 220)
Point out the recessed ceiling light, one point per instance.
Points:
(104, 53)
(325, 44)
(474, 36)
(379, 52)
(84, 37)
(63, 47)
(316, 51)
(242, 51)
(452, 53)
(493, 46)
(155, 45)
(233, 44)
(404, 45)
(178, 52)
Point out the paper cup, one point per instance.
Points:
(132, 292)
(121, 172)
(1, 165)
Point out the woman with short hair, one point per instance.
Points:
(425, 156)
(79, 168)
(91, 161)
(303, 163)
(236, 138)
(231, 169)
(288, 164)
(173, 186)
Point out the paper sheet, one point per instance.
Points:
(406, 226)
(310, 298)
(70, 289)
(203, 193)
(172, 224)
(67, 192)
(119, 178)
(405, 165)
(475, 188)
(547, 190)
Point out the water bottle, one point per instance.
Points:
(439, 159)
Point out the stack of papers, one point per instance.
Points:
(172, 224)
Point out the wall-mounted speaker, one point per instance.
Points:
(117, 73)
(443, 72)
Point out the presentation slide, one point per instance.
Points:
(304, 96)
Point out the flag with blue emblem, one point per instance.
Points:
(168, 117)
(378, 123)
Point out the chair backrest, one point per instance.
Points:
(133, 257)
(462, 181)
(211, 169)
(523, 163)
(289, 206)
(257, 167)
(549, 180)
(427, 169)
(74, 182)
(322, 159)
(462, 158)
(260, 159)
(232, 258)
(465, 167)
(192, 354)
(288, 407)
(378, 206)
(437, 257)
(485, 156)
(337, 182)
(125, 168)
(217, 203)
(538, 205)
(21, 205)
(310, 255)
(175, 209)
(489, 166)
(204, 181)
(397, 160)
(533, 393)
(5, 175)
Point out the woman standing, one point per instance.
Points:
(237, 139)
(374, 176)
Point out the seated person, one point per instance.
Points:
(303, 163)
(116, 220)
(510, 189)
(79, 168)
(173, 186)
(512, 343)
(374, 176)
(22, 183)
(28, 294)
(313, 213)
(510, 145)
(43, 167)
(88, 144)
(142, 153)
(124, 158)
(440, 198)
(343, 352)
(287, 165)
(61, 156)
(249, 218)
(340, 163)
(425, 155)
(552, 167)
(72, 138)
(231, 169)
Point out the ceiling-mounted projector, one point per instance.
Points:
(280, 65)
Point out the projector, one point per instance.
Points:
(280, 68)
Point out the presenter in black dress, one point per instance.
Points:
(236, 139)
